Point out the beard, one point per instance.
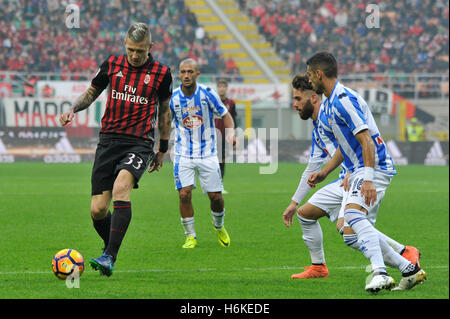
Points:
(190, 85)
(320, 89)
(308, 110)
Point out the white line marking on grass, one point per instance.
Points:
(422, 191)
(40, 272)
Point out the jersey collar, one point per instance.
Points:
(333, 93)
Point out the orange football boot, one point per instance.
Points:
(412, 254)
(313, 271)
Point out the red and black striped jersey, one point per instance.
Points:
(134, 94)
(231, 106)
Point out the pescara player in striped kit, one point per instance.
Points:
(193, 106)
(365, 155)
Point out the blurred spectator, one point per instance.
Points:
(415, 131)
(29, 87)
(48, 91)
(230, 65)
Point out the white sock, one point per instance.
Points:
(367, 238)
(313, 238)
(351, 241)
(392, 258)
(394, 244)
(188, 226)
(218, 219)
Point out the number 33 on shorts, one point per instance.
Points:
(134, 161)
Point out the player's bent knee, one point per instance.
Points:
(215, 197)
(100, 205)
(185, 195)
(309, 211)
(98, 210)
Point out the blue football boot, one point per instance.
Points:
(104, 264)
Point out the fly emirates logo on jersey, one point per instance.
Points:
(128, 95)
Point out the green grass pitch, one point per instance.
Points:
(46, 207)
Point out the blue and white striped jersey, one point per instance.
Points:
(323, 142)
(193, 117)
(348, 114)
(323, 145)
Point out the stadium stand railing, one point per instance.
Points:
(409, 86)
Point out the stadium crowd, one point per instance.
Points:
(34, 36)
(412, 35)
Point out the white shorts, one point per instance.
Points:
(208, 170)
(381, 182)
(329, 199)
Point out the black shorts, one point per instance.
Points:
(116, 152)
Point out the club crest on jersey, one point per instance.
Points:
(147, 78)
(193, 121)
(379, 140)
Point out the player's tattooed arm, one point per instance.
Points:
(164, 119)
(80, 104)
(86, 99)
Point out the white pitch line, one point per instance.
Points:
(39, 272)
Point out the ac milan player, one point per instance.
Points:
(139, 94)
(222, 90)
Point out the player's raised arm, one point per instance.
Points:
(82, 103)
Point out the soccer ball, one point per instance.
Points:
(66, 262)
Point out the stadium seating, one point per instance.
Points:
(412, 36)
(34, 31)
